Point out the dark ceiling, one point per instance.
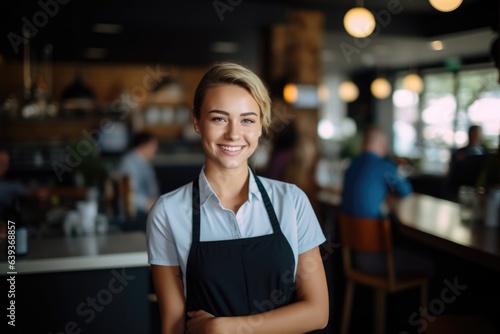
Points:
(182, 32)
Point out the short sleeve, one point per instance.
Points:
(309, 233)
(160, 241)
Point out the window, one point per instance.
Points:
(428, 129)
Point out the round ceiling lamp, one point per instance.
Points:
(290, 93)
(359, 22)
(413, 82)
(446, 5)
(381, 88)
(348, 91)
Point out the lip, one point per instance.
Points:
(231, 153)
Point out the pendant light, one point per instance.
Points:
(290, 93)
(359, 22)
(381, 88)
(445, 5)
(348, 91)
(413, 82)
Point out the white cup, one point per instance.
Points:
(88, 214)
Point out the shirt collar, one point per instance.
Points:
(206, 190)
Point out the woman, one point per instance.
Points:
(231, 252)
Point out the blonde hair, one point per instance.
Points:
(226, 73)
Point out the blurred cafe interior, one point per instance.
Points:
(79, 80)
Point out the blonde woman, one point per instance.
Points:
(232, 252)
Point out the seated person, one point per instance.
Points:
(367, 182)
(137, 165)
(466, 163)
(10, 190)
(490, 174)
(473, 147)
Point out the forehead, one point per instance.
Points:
(230, 97)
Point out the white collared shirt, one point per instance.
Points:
(169, 228)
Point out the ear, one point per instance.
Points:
(196, 124)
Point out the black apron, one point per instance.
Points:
(240, 276)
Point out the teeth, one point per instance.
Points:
(232, 148)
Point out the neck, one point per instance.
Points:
(228, 183)
(141, 154)
(374, 151)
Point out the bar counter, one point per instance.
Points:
(123, 250)
(88, 284)
(436, 222)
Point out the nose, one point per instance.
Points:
(233, 131)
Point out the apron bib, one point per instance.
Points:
(241, 276)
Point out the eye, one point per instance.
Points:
(248, 121)
(218, 119)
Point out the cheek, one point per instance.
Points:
(253, 138)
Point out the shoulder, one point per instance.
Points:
(389, 164)
(171, 207)
(280, 187)
(127, 160)
(178, 196)
(285, 195)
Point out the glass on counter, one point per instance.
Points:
(468, 200)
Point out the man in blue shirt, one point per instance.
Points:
(137, 165)
(370, 178)
(367, 182)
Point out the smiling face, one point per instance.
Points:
(230, 127)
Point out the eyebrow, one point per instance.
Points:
(216, 111)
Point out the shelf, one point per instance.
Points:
(165, 131)
(46, 129)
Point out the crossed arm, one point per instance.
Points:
(309, 312)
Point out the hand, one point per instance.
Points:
(202, 322)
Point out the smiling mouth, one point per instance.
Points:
(231, 148)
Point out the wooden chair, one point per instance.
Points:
(373, 235)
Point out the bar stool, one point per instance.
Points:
(373, 235)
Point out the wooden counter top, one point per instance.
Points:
(437, 222)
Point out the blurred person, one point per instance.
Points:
(284, 143)
(10, 190)
(473, 147)
(466, 163)
(220, 247)
(294, 160)
(490, 174)
(137, 165)
(369, 181)
(371, 177)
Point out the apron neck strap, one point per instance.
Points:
(196, 210)
(267, 203)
